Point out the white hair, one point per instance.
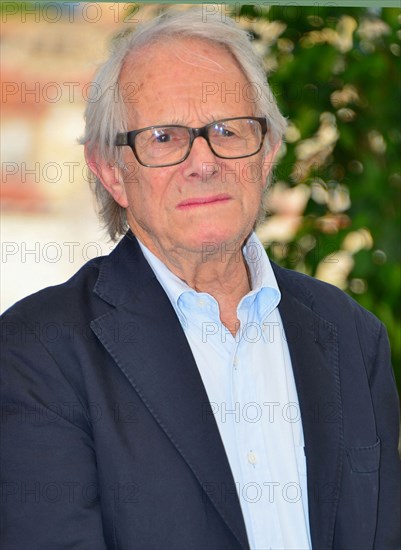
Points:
(105, 116)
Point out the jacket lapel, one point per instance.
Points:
(154, 355)
(313, 345)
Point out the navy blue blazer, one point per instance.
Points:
(109, 441)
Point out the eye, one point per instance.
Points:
(221, 131)
(173, 136)
(225, 132)
(162, 137)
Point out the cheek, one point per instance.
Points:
(147, 198)
(254, 173)
(253, 183)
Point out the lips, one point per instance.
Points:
(203, 201)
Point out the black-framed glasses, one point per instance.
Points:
(166, 145)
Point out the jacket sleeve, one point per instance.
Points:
(50, 498)
(386, 407)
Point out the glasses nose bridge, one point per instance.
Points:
(199, 132)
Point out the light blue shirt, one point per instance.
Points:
(250, 385)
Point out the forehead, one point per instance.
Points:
(180, 75)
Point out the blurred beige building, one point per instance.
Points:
(48, 223)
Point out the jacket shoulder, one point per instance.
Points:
(58, 301)
(325, 299)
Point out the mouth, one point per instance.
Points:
(196, 202)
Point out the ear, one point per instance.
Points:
(268, 161)
(109, 175)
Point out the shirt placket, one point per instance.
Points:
(257, 492)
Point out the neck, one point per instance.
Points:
(221, 272)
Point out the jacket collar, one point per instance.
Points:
(123, 273)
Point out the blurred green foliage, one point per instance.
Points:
(342, 66)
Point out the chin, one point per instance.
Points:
(214, 239)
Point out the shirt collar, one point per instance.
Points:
(263, 281)
(264, 288)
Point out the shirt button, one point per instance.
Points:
(201, 302)
(252, 458)
(235, 361)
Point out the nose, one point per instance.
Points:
(201, 163)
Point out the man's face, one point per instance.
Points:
(204, 199)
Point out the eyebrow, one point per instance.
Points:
(180, 122)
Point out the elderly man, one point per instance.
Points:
(196, 396)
